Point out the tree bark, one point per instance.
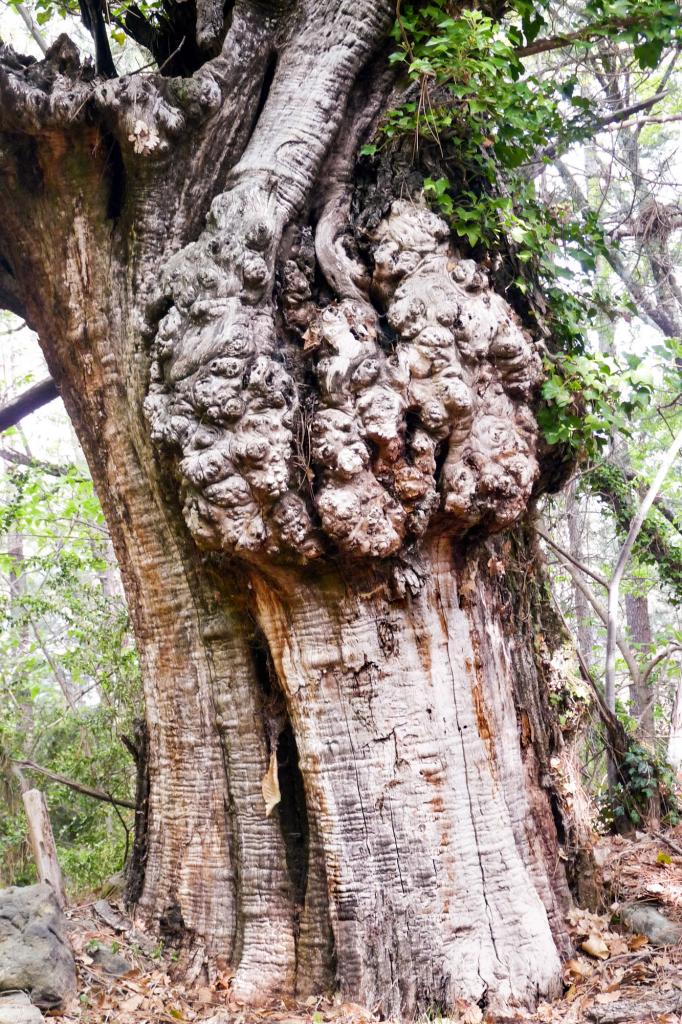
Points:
(305, 414)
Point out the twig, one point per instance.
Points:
(597, 577)
(669, 842)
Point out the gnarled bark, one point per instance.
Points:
(302, 432)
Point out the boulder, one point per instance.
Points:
(647, 919)
(16, 1008)
(35, 956)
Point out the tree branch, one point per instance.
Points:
(661, 656)
(78, 787)
(31, 400)
(597, 577)
(19, 459)
(30, 24)
(582, 35)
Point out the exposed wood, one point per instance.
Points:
(42, 842)
(32, 399)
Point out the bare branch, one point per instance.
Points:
(19, 459)
(597, 577)
(30, 24)
(661, 656)
(602, 613)
(78, 787)
(582, 35)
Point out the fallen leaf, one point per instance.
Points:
(579, 968)
(131, 1004)
(607, 997)
(637, 941)
(595, 946)
(270, 786)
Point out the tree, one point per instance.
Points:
(308, 415)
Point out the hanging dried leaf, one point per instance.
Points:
(270, 786)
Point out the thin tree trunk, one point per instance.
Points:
(675, 735)
(643, 696)
(584, 631)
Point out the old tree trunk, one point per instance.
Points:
(307, 419)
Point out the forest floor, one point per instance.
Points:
(613, 977)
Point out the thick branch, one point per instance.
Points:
(34, 398)
(582, 35)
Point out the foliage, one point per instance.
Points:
(588, 397)
(492, 119)
(68, 675)
(659, 543)
(644, 776)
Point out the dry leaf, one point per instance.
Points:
(131, 1004)
(579, 968)
(571, 994)
(637, 941)
(607, 997)
(595, 946)
(270, 786)
(618, 946)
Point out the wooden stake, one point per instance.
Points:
(42, 842)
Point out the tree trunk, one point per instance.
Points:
(643, 695)
(304, 426)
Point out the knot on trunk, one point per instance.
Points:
(421, 416)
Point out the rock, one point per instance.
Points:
(114, 918)
(16, 1008)
(34, 952)
(646, 919)
(110, 962)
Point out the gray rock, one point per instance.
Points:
(34, 951)
(110, 962)
(646, 919)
